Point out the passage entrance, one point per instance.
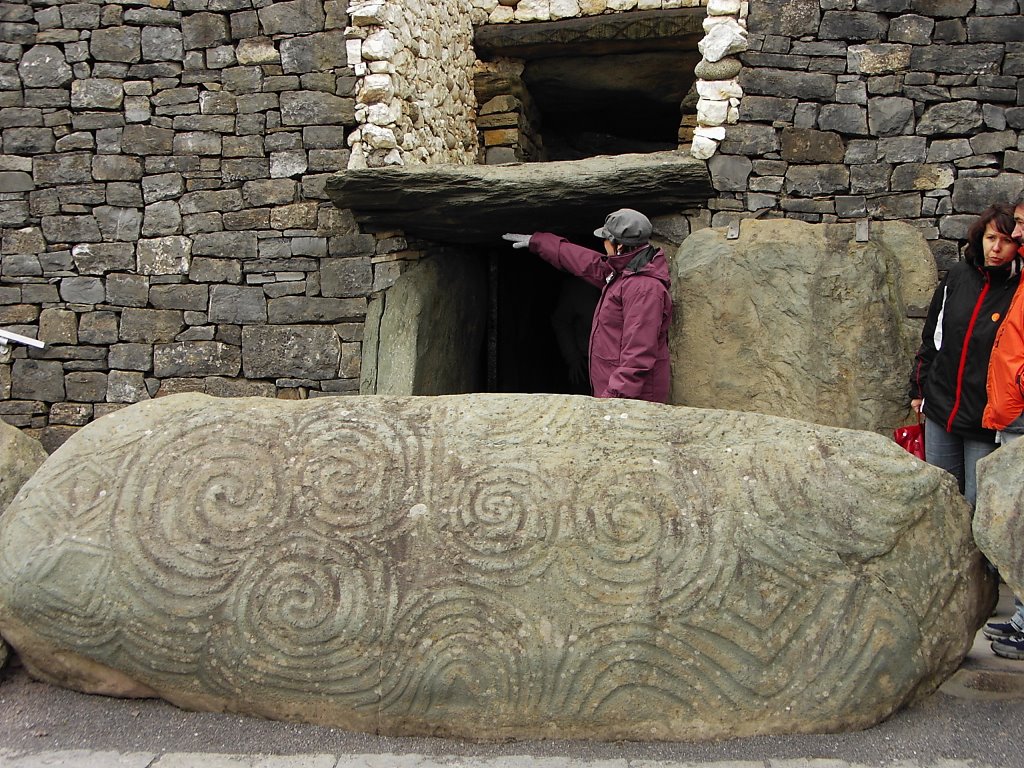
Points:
(538, 327)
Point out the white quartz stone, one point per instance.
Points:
(376, 137)
(719, 89)
(723, 40)
(703, 147)
(533, 10)
(712, 111)
(724, 7)
(380, 46)
(565, 9)
(354, 50)
(375, 89)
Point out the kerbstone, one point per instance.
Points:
(812, 261)
(429, 579)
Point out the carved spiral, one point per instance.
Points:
(358, 475)
(461, 649)
(310, 613)
(503, 522)
(195, 501)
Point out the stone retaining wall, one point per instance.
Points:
(879, 109)
(163, 222)
(161, 198)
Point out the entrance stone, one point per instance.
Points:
(492, 566)
(800, 320)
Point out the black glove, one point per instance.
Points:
(518, 241)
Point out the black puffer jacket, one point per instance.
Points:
(951, 367)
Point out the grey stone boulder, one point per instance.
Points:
(999, 514)
(492, 566)
(800, 320)
(20, 456)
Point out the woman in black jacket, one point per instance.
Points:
(950, 371)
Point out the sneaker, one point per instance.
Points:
(1001, 630)
(1009, 649)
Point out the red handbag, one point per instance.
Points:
(911, 439)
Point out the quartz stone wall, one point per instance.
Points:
(415, 100)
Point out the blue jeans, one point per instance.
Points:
(957, 455)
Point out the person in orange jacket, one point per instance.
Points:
(1004, 413)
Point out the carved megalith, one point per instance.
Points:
(999, 516)
(492, 566)
(800, 320)
(20, 456)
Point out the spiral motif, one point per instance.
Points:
(311, 613)
(503, 523)
(624, 534)
(190, 507)
(358, 474)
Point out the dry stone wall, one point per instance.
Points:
(415, 101)
(163, 221)
(879, 109)
(164, 224)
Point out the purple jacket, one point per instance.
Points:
(629, 335)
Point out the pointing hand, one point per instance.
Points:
(518, 241)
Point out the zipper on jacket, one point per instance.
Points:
(963, 353)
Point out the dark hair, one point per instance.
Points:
(1001, 216)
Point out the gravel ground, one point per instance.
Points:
(35, 717)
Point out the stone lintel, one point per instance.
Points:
(641, 31)
(477, 203)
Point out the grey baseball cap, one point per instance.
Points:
(625, 226)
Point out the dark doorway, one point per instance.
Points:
(609, 105)
(538, 327)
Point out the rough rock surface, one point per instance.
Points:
(20, 456)
(999, 515)
(478, 203)
(419, 343)
(492, 566)
(800, 320)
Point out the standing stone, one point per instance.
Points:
(998, 519)
(492, 566)
(20, 457)
(765, 298)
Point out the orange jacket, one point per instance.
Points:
(1006, 369)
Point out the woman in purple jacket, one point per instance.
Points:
(629, 335)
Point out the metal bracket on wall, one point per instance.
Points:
(862, 231)
(733, 232)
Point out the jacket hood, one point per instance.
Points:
(656, 267)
